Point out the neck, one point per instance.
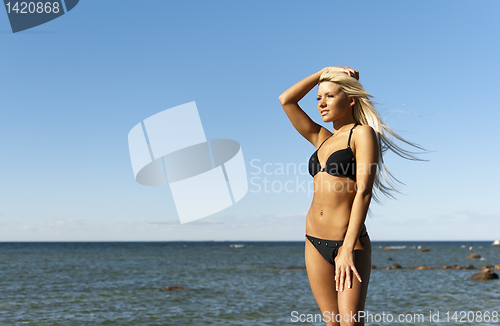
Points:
(339, 125)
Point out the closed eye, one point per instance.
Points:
(319, 98)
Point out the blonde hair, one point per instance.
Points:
(365, 114)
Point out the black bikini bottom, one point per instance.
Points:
(329, 248)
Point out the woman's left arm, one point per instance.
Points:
(367, 152)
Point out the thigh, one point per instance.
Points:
(321, 276)
(353, 299)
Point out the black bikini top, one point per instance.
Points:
(340, 163)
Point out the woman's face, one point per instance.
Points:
(333, 104)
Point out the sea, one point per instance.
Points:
(233, 283)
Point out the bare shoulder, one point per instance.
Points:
(364, 139)
(364, 133)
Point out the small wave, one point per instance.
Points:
(236, 246)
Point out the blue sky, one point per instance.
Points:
(74, 87)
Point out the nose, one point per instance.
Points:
(322, 103)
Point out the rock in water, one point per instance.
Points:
(472, 256)
(486, 267)
(487, 274)
(293, 267)
(173, 288)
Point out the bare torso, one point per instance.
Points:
(328, 216)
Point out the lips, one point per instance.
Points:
(323, 112)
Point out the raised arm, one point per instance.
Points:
(309, 129)
(290, 102)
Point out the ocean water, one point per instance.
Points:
(231, 283)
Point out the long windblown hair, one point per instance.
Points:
(365, 114)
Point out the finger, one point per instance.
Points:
(337, 281)
(351, 72)
(342, 279)
(354, 270)
(349, 277)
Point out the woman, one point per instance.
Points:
(345, 167)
